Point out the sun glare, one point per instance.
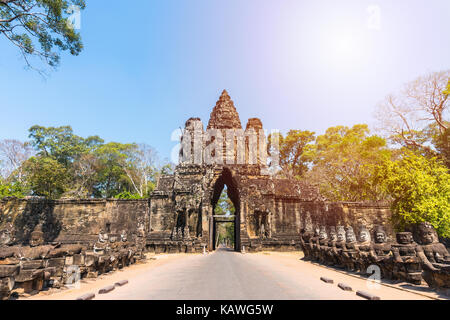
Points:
(345, 50)
(344, 46)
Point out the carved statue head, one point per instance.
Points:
(306, 235)
(333, 234)
(380, 234)
(426, 234)
(308, 223)
(350, 235)
(405, 238)
(340, 233)
(103, 236)
(364, 234)
(323, 233)
(113, 239)
(316, 231)
(37, 236)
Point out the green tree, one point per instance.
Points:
(225, 233)
(84, 174)
(46, 177)
(14, 189)
(420, 189)
(41, 28)
(291, 151)
(61, 144)
(140, 166)
(224, 205)
(128, 195)
(343, 163)
(447, 90)
(112, 178)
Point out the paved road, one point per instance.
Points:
(222, 275)
(227, 275)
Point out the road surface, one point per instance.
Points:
(228, 275)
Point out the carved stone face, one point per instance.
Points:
(427, 234)
(323, 233)
(308, 223)
(380, 237)
(404, 237)
(379, 234)
(333, 235)
(37, 238)
(316, 231)
(426, 237)
(350, 235)
(341, 234)
(102, 237)
(364, 235)
(307, 235)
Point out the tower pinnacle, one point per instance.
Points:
(224, 114)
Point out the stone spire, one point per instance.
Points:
(224, 114)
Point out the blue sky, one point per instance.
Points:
(149, 66)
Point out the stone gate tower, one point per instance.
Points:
(179, 215)
(182, 207)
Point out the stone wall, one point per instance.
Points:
(81, 221)
(70, 221)
(289, 216)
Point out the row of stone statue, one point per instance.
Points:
(404, 259)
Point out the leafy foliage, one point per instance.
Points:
(224, 205)
(128, 195)
(225, 230)
(12, 190)
(447, 90)
(292, 147)
(83, 167)
(61, 143)
(46, 177)
(41, 28)
(112, 178)
(225, 233)
(420, 189)
(343, 161)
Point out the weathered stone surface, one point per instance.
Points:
(56, 262)
(106, 289)
(121, 283)
(33, 264)
(6, 286)
(345, 287)
(326, 280)
(367, 295)
(9, 270)
(87, 296)
(403, 260)
(28, 275)
(224, 114)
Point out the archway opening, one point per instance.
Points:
(225, 223)
(224, 229)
